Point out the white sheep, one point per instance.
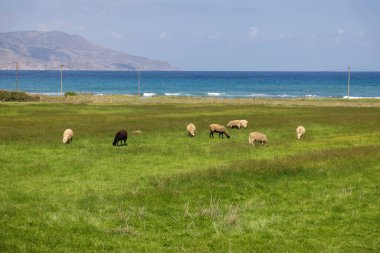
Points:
(243, 123)
(238, 123)
(234, 124)
(300, 132)
(67, 136)
(191, 129)
(257, 137)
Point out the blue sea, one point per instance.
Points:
(198, 83)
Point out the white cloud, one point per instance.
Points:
(163, 35)
(81, 28)
(115, 35)
(341, 31)
(277, 36)
(264, 36)
(215, 35)
(253, 32)
(58, 24)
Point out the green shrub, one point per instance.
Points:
(17, 96)
(70, 93)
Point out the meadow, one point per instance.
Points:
(168, 192)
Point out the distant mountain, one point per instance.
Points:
(46, 50)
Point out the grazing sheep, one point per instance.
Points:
(67, 136)
(191, 129)
(300, 132)
(121, 136)
(237, 123)
(234, 124)
(215, 128)
(257, 137)
(243, 123)
(136, 132)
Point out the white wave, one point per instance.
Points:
(172, 94)
(350, 97)
(45, 93)
(147, 94)
(258, 95)
(283, 96)
(311, 96)
(215, 94)
(263, 95)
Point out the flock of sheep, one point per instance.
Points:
(252, 138)
(122, 135)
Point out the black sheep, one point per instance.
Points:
(121, 136)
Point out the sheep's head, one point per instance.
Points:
(114, 143)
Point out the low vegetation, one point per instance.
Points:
(17, 96)
(167, 192)
(70, 93)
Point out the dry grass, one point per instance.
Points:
(128, 99)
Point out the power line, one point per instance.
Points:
(61, 66)
(16, 75)
(348, 81)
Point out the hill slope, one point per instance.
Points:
(46, 50)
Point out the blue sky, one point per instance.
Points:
(216, 34)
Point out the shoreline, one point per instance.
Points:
(206, 95)
(90, 98)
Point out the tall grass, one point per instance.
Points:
(168, 192)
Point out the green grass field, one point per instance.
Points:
(167, 192)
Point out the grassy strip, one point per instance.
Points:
(326, 201)
(158, 193)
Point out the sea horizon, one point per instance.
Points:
(229, 84)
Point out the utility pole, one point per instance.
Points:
(61, 66)
(138, 82)
(348, 81)
(16, 75)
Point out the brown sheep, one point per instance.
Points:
(257, 137)
(216, 128)
(191, 129)
(121, 136)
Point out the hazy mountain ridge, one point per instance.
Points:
(35, 50)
